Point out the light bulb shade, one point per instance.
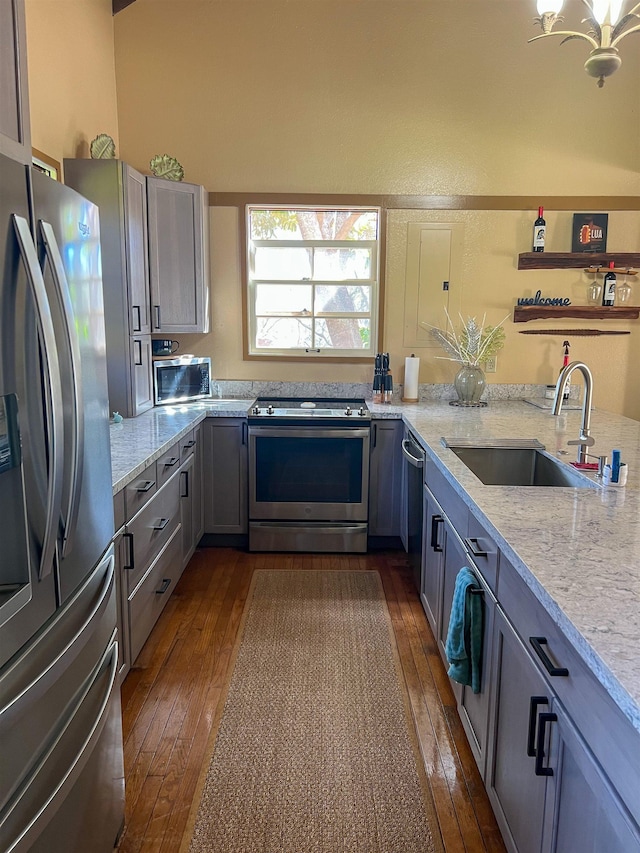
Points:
(553, 6)
(607, 11)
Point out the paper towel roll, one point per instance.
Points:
(411, 374)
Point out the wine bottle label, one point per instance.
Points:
(609, 295)
(539, 232)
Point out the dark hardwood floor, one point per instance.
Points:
(170, 697)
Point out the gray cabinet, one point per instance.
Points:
(119, 550)
(225, 478)
(15, 131)
(178, 216)
(120, 193)
(191, 508)
(385, 478)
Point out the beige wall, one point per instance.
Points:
(72, 82)
(360, 96)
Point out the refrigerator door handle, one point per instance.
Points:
(52, 395)
(31, 832)
(76, 456)
(54, 670)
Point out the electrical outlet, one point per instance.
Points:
(491, 364)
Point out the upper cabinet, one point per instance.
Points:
(178, 256)
(120, 193)
(15, 133)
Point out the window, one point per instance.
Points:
(313, 281)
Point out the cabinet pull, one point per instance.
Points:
(136, 326)
(144, 487)
(245, 432)
(166, 583)
(435, 522)
(156, 308)
(543, 719)
(538, 643)
(138, 358)
(130, 565)
(474, 546)
(534, 702)
(161, 524)
(374, 436)
(185, 494)
(188, 444)
(171, 462)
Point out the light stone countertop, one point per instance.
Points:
(577, 549)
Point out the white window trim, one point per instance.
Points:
(373, 282)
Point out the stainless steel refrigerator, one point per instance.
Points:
(61, 761)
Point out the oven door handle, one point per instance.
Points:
(308, 432)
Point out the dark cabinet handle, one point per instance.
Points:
(543, 719)
(144, 487)
(185, 494)
(161, 524)
(129, 565)
(435, 522)
(166, 583)
(138, 358)
(136, 326)
(188, 444)
(171, 462)
(157, 310)
(374, 436)
(534, 702)
(475, 548)
(538, 643)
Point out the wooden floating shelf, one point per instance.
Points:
(524, 313)
(617, 270)
(575, 260)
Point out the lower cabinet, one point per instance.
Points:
(225, 473)
(385, 478)
(548, 792)
(560, 761)
(159, 521)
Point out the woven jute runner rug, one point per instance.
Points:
(315, 751)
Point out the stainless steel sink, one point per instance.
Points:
(512, 463)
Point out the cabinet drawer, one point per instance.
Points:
(453, 505)
(151, 528)
(150, 597)
(187, 445)
(140, 491)
(168, 463)
(484, 550)
(607, 731)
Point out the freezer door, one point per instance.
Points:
(57, 698)
(68, 239)
(27, 590)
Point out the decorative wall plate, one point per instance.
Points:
(103, 147)
(167, 167)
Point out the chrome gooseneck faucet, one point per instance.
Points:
(585, 439)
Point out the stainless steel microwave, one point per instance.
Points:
(181, 380)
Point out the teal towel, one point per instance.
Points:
(464, 637)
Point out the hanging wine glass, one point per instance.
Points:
(594, 289)
(623, 291)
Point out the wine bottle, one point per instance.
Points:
(566, 391)
(539, 231)
(609, 286)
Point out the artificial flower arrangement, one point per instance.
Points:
(473, 344)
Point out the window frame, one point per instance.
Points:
(375, 282)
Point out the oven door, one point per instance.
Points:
(308, 474)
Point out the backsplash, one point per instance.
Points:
(249, 389)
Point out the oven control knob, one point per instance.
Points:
(255, 411)
(270, 410)
(361, 412)
(348, 411)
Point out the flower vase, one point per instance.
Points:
(469, 383)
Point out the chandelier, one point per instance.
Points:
(607, 29)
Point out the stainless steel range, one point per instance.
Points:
(308, 474)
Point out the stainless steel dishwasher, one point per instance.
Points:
(413, 460)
